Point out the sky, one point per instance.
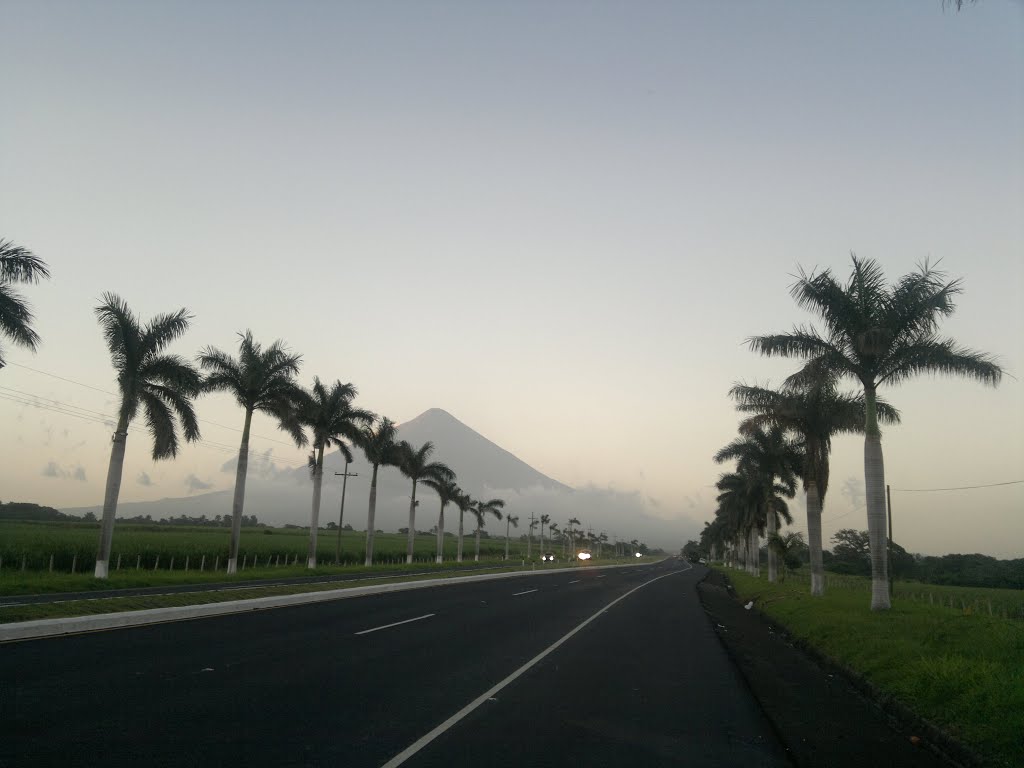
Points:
(557, 221)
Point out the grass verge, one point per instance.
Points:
(962, 672)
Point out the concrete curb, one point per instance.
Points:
(42, 628)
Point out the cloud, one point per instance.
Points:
(262, 465)
(853, 490)
(144, 479)
(195, 484)
(54, 470)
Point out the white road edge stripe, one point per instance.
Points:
(424, 740)
(517, 594)
(577, 581)
(388, 626)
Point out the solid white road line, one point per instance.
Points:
(420, 743)
(601, 576)
(388, 626)
(576, 581)
(517, 594)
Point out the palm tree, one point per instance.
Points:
(510, 520)
(815, 412)
(877, 335)
(447, 491)
(381, 450)
(544, 520)
(767, 454)
(553, 531)
(465, 503)
(416, 465)
(480, 511)
(784, 545)
(18, 265)
(330, 416)
(260, 380)
(164, 385)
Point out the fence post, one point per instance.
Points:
(74, 562)
(171, 567)
(157, 563)
(202, 563)
(216, 565)
(51, 563)
(118, 568)
(138, 562)
(186, 563)
(278, 561)
(23, 562)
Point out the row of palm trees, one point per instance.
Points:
(874, 334)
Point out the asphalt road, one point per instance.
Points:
(359, 682)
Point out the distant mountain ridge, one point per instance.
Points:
(279, 496)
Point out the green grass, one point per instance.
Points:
(958, 668)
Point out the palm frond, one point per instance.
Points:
(941, 356)
(16, 318)
(20, 265)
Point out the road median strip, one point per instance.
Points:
(55, 627)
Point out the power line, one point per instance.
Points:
(113, 394)
(958, 488)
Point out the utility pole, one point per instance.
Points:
(888, 552)
(341, 515)
(529, 538)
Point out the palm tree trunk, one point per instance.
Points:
(755, 552)
(814, 538)
(477, 555)
(314, 522)
(458, 553)
(411, 542)
(371, 517)
(773, 568)
(113, 490)
(874, 489)
(440, 535)
(508, 529)
(239, 501)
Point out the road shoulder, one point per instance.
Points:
(819, 714)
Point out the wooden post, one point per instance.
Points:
(118, 568)
(23, 562)
(186, 563)
(51, 563)
(157, 563)
(171, 567)
(74, 562)
(244, 561)
(138, 562)
(216, 565)
(278, 561)
(202, 563)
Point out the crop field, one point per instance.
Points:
(958, 667)
(31, 547)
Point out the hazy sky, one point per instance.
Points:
(557, 221)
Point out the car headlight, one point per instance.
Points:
(638, 554)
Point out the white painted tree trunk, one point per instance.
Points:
(477, 555)
(508, 530)
(462, 520)
(814, 539)
(440, 536)
(112, 491)
(314, 522)
(411, 541)
(755, 552)
(773, 567)
(874, 486)
(371, 518)
(238, 503)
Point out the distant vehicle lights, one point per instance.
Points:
(584, 555)
(638, 554)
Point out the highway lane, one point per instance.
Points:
(311, 686)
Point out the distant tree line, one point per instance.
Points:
(22, 510)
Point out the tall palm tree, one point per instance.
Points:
(815, 412)
(416, 465)
(553, 531)
(480, 511)
(510, 520)
(381, 449)
(465, 504)
(877, 335)
(767, 453)
(260, 380)
(163, 385)
(18, 265)
(331, 418)
(544, 520)
(447, 491)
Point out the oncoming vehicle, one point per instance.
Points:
(584, 554)
(548, 557)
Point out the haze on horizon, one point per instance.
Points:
(558, 222)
